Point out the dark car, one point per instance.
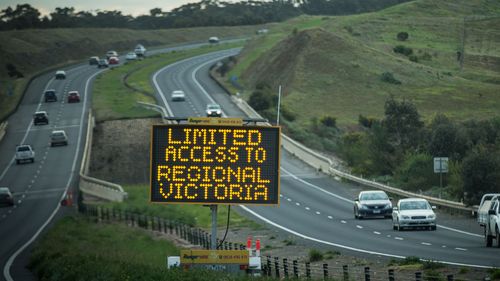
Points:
(50, 95)
(73, 96)
(93, 60)
(40, 117)
(372, 203)
(6, 196)
(103, 63)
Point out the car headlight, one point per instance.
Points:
(363, 206)
(431, 216)
(405, 217)
(388, 206)
(219, 112)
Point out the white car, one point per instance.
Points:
(24, 153)
(140, 50)
(111, 54)
(178, 95)
(413, 213)
(131, 56)
(60, 74)
(372, 203)
(213, 110)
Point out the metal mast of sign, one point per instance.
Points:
(279, 104)
(213, 240)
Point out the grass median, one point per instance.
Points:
(112, 99)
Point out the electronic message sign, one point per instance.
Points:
(208, 164)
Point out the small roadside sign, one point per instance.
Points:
(214, 257)
(215, 121)
(440, 164)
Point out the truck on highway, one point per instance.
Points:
(488, 216)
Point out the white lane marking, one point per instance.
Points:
(318, 213)
(41, 191)
(343, 221)
(376, 232)
(399, 238)
(298, 204)
(426, 244)
(344, 246)
(359, 226)
(461, 249)
(444, 246)
(157, 86)
(289, 200)
(281, 195)
(330, 217)
(27, 130)
(8, 264)
(350, 201)
(307, 208)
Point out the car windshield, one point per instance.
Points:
(23, 148)
(40, 115)
(213, 106)
(57, 134)
(374, 196)
(414, 205)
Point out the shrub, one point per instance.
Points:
(389, 78)
(402, 36)
(287, 114)
(329, 121)
(366, 122)
(400, 49)
(259, 100)
(315, 255)
(413, 58)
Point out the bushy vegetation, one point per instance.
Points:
(315, 255)
(401, 147)
(402, 36)
(400, 49)
(388, 77)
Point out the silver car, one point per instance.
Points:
(413, 213)
(58, 137)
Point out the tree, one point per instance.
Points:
(402, 123)
(416, 173)
(24, 16)
(480, 174)
(402, 36)
(447, 139)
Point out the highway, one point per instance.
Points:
(313, 206)
(316, 207)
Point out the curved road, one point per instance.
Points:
(319, 208)
(314, 207)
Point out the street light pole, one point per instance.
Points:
(279, 103)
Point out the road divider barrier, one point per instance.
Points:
(3, 129)
(92, 186)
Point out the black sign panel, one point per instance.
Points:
(215, 164)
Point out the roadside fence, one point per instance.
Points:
(271, 266)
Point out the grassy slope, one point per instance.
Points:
(334, 66)
(76, 249)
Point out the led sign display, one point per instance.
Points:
(209, 164)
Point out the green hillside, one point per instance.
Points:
(334, 65)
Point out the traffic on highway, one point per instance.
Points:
(42, 150)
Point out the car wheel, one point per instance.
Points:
(487, 238)
(433, 228)
(498, 237)
(32, 160)
(398, 226)
(65, 143)
(355, 213)
(18, 161)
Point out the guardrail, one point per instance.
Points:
(325, 164)
(3, 129)
(92, 186)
